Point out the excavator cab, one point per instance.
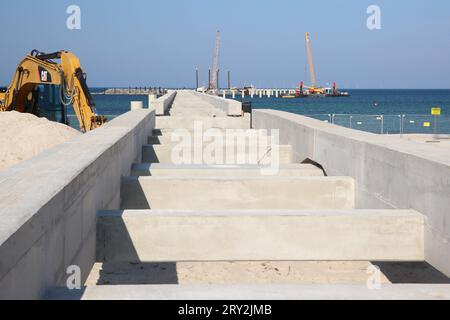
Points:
(48, 104)
(43, 101)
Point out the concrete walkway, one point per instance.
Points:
(203, 212)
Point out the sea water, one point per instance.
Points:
(378, 111)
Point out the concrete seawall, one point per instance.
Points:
(49, 204)
(162, 105)
(390, 173)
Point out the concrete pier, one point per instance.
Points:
(316, 192)
(198, 212)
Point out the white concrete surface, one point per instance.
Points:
(162, 104)
(172, 136)
(157, 169)
(229, 106)
(259, 235)
(189, 122)
(389, 172)
(136, 105)
(49, 204)
(256, 292)
(151, 100)
(237, 193)
(231, 153)
(189, 104)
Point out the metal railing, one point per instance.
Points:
(389, 124)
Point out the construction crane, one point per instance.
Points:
(310, 60)
(313, 88)
(214, 85)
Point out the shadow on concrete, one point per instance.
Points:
(149, 154)
(113, 239)
(63, 293)
(412, 272)
(131, 187)
(316, 164)
(138, 273)
(154, 140)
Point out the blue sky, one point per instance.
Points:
(141, 43)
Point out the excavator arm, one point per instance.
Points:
(40, 69)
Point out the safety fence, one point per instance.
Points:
(389, 124)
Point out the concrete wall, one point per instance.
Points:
(229, 106)
(49, 204)
(389, 172)
(163, 104)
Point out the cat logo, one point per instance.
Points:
(44, 75)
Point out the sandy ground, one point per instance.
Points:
(230, 273)
(289, 272)
(22, 136)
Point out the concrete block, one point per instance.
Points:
(260, 235)
(188, 123)
(238, 193)
(137, 105)
(157, 169)
(169, 136)
(168, 155)
(151, 100)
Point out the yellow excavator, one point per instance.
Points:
(47, 88)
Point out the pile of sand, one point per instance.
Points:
(22, 136)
